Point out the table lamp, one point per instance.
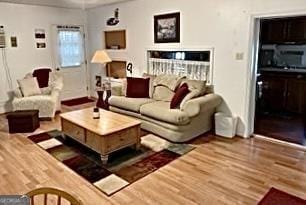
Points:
(101, 57)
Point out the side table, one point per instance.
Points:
(103, 103)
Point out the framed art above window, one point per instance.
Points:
(167, 28)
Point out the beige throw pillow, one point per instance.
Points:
(152, 77)
(162, 93)
(197, 88)
(196, 85)
(29, 87)
(124, 86)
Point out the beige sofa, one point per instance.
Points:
(192, 118)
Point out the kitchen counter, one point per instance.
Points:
(282, 70)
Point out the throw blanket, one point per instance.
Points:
(170, 81)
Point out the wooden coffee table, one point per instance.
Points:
(105, 135)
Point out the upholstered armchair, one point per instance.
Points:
(47, 103)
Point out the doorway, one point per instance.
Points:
(280, 97)
(69, 57)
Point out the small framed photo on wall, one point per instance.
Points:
(167, 28)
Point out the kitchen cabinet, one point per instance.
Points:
(295, 96)
(273, 31)
(296, 30)
(283, 31)
(273, 92)
(283, 92)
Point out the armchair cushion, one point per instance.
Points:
(29, 87)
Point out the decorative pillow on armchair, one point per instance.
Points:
(29, 87)
(137, 87)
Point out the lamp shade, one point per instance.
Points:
(101, 57)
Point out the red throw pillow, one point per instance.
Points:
(179, 95)
(137, 87)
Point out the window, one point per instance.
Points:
(70, 48)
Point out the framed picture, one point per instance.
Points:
(13, 41)
(40, 33)
(40, 45)
(98, 81)
(167, 28)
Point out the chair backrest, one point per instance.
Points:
(42, 75)
(47, 191)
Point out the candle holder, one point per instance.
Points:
(96, 113)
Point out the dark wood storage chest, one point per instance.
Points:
(23, 121)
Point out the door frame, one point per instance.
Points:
(253, 62)
(53, 51)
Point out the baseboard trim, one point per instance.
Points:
(276, 141)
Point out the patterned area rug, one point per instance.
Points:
(124, 167)
(277, 197)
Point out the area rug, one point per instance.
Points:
(277, 197)
(123, 168)
(77, 101)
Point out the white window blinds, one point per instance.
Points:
(70, 47)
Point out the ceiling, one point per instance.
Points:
(76, 4)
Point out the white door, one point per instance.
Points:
(69, 56)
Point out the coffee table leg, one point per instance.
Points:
(104, 159)
(137, 146)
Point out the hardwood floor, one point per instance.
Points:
(218, 171)
(286, 128)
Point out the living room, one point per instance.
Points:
(211, 169)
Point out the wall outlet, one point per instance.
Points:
(239, 56)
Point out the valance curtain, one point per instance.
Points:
(195, 70)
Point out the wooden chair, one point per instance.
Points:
(45, 191)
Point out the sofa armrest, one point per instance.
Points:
(201, 104)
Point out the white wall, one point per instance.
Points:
(222, 24)
(21, 21)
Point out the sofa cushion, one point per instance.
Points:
(132, 104)
(160, 110)
(137, 87)
(180, 93)
(29, 87)
(163, 93)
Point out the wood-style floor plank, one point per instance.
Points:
(218, 171)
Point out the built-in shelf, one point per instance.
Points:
(115, 40)
(116, 69)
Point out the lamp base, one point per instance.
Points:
(103, 103)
